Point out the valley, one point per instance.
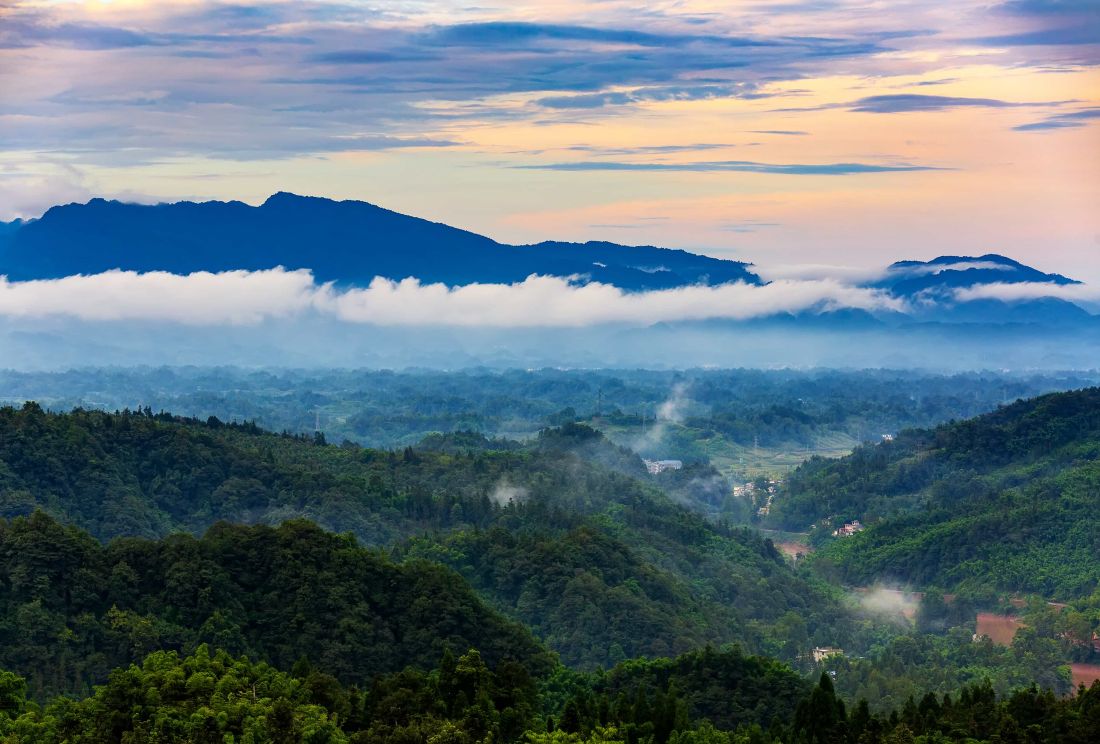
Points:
(561, 536)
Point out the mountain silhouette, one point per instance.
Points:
(346, 242)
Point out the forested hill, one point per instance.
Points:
(144, 474)
(644, 576)
(72, 609)
(1007, 500)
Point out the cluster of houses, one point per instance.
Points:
(763, 500)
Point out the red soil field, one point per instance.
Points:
(1085, 674)
(792, 549)
(1000, 628)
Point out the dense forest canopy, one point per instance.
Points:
(712, 698)
(71, 609)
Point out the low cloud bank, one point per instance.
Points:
(247, 298)
(541, 301)
(1015, 291)
(202, 298)
(243, 298)
(933, 268)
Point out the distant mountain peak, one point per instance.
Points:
(969, 270)
(932, 289)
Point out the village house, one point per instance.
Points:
(655, 467)
(849, 529)
(821, 653)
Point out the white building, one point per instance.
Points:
(659, 466)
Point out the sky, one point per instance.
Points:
(797, 135)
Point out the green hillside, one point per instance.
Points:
(1006, 501)
(71, 608)
(559, 533)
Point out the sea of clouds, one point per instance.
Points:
(250, 297)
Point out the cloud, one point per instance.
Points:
(243, 298)
(552, 301)
(895, 604)
(746, 226)
(370, 57)
(203, 298)
(736, 166)
(940, 81)
(809, 272)
(383, 142)
(899, 103)
(279, 81)
(937, 268)
(651, 149)
(81, 36)
(642, 95)
(1043, 8)
(504, 494)
(672, 410)
(31, 188)
(1054, 23)
(1064, 36)
(521, 35)
(271, 81)
(1016, 291)
(1072, 119)
(27, 29)
(906, 102)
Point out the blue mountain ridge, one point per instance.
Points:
(351, 242)
(346, 242)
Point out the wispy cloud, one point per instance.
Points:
(643, 95)
(1051, 23)
(738, 166)
(1068, 120)
(899, 103)
(651, 149)
(939, 268)
(1015, 291)
(848, 275)
(747, 226)
(903, 102)
(27, 29)
(514, 35)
